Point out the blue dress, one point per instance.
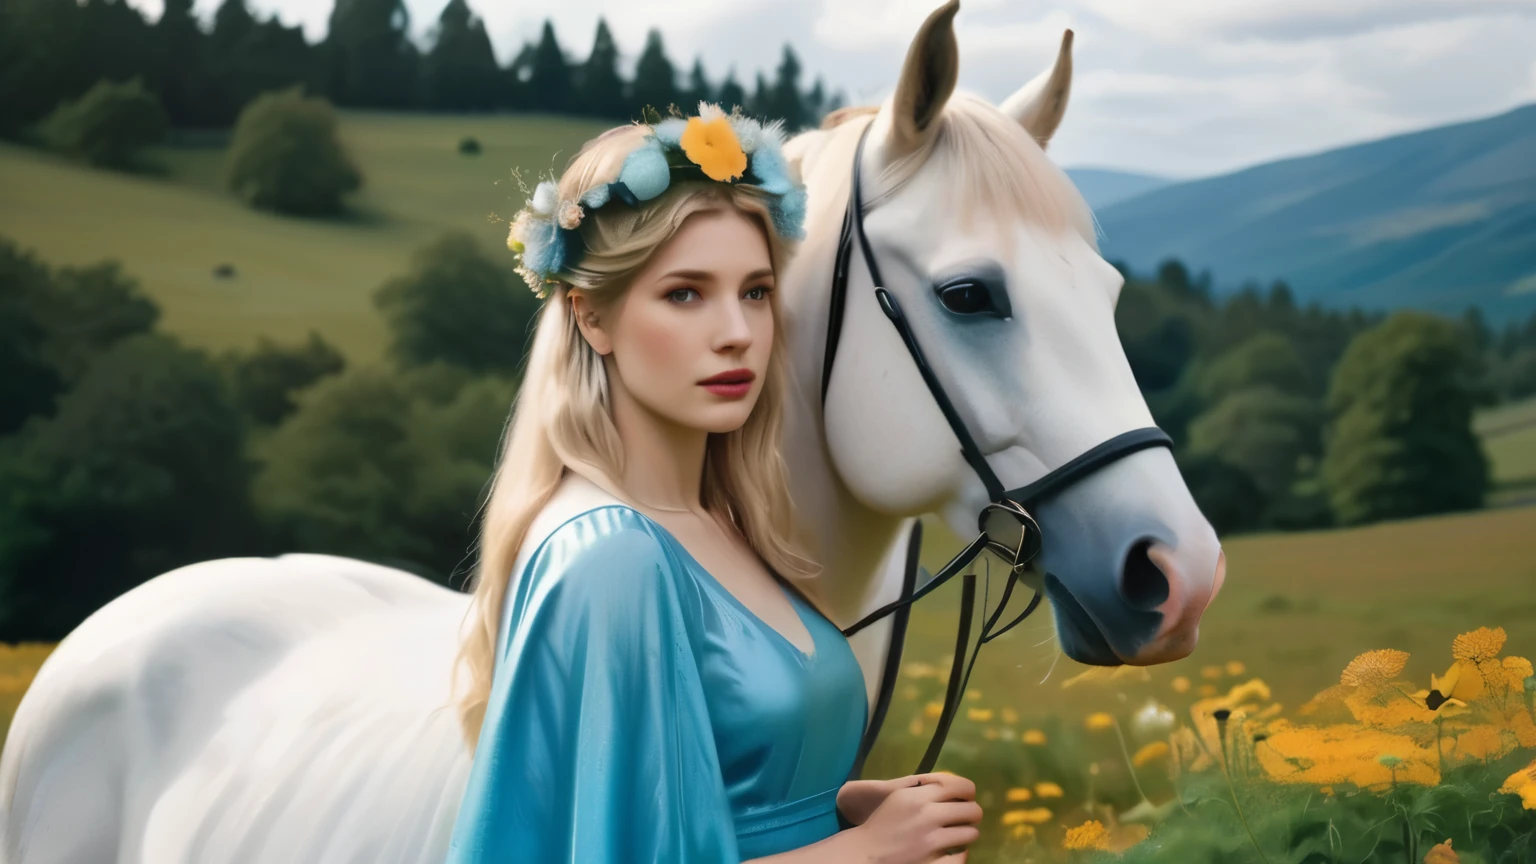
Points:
(639, 712)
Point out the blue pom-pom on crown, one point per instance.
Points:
(545, 235)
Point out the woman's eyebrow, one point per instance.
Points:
(696, 275)
(757, 274)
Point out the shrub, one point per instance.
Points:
(285, 156)
(107, 126)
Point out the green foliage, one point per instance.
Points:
(550, 86)
(285, 156)
(460, 73)
(1400, 441)
(109, 125)
(1514, 377)
(373, 62)
(265, 381)
(655, 78)
(385, 466)
(1262, 431)
(599, 89)
(140, 471)
(459, 307)
(1268, 359)
(54, 324)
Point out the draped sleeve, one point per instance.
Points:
(597, 744)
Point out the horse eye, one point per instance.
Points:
(966, 298)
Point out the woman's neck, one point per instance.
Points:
(663, 460)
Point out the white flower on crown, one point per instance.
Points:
(570, 215)
(545, 198)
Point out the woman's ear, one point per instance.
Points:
(588, 323)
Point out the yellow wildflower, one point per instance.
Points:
(1047, 789)
(1019, 793)
(909, 692)
(712, 145)
(1235, 668)
(980, 715)
(1345, 753)
(1479, 645)
(1150, 753)
(990, 733)
(1180, 684)
(1210, 672)
(1442, 853)
(919, 670)
(1033, 736)
(1522, 783)
(1023, 832)
(1207, 690)
(1010, 716)
(1036, 816)
(933, 710)
(1374, 668)
(915, 728)
(1089, 835)
(973, 694)
(1099, 721)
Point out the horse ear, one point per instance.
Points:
(1040, 104)
(927, 79)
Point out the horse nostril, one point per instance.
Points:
(1143, 584)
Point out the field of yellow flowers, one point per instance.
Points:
(1377, 767)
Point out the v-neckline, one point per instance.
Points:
(794, 602)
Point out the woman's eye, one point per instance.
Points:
(758, 293)
(682, 295)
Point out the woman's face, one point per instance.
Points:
(689, 342)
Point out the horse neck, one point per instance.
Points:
(852, 541)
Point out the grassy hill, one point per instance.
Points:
(293, 275)
(1436, 219)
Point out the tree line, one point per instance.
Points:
(53, 51)
(1292, 418)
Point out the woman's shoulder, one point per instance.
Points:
(583, 522)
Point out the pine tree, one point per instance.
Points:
(375, 62)
(600, 89)
(784, 100)
(698, 88)
(549, 76)
(731, 93)
(178, 68)
(816, 103)
(655, 79)
(760, 103)
(460, 72)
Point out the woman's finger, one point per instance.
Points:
(954, 812)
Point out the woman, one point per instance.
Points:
(642, 680)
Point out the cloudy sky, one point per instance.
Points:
(1176, 87)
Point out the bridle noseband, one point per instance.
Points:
(1006, 527)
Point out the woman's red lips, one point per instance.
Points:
(735, 376)
(734, 384)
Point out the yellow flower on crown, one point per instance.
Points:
(712, 145)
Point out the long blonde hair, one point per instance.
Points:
(562, 418)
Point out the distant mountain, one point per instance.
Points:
(1105, 186)
(1438, 219)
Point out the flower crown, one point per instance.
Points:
(727, 148)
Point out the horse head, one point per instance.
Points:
(993, 257)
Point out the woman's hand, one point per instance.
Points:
(858, 799)
(922, 819)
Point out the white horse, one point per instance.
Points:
(295, 709)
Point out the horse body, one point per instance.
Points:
(296, 709)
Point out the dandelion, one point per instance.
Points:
(980, 715)
(1153, 720)
(973, 694)
(1033, 737)
(1010, 716)
(1019, 793)
(1210, 672)
(1207, 690)
(1023, 832)
(1099, 721)
(1479, 645)
(1522, 783)
(1374, 668)
(933, 710)
(1047, 789)
(915, 727)
(1235, 668)
(1089, 835)
(1180, 684)
(1150, 753)
(919, 670)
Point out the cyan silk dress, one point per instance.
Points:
(641, 713)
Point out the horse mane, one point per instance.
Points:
(994, 161)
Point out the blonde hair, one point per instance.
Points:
(562, 418)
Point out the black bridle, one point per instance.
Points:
(1006, 527)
